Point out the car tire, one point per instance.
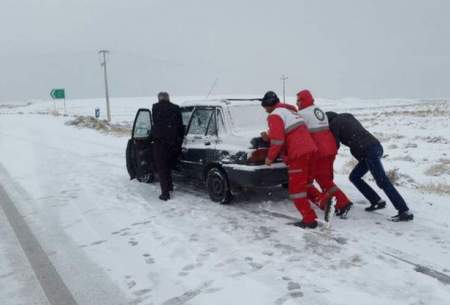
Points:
(285, 185)
(218, 186)
(147, 178)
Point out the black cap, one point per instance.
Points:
(163, 96)
(269, 99)
(331, 115)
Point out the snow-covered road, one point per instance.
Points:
(112, 242)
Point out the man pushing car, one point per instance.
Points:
(322, 168)
(366, 148)
(288, 133)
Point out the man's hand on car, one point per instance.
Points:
(268, 162)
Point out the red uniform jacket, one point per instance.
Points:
(288, 132)
(317, 123)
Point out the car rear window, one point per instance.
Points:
(248, 118)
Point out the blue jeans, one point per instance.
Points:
(372, 162)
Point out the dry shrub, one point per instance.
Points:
(394, 176)
(348, 166)
(100, 125)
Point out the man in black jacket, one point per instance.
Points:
(368, 150)
(167, 134)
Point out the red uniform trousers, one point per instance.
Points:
(322, 172)
(299, 170)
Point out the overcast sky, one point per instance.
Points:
(359, 48)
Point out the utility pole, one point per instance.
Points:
(103, 54)
(284, 78)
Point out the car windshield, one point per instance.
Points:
(248, 118)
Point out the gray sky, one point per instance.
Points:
(358, 48)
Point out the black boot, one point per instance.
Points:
(403, 216)
(303, 225)
(376, 206)
(164, 197)
(344, 211)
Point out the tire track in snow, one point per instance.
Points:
(54, 288)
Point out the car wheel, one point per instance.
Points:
(147, 178)
(285, 185)
(218, 186)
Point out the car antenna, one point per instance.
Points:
(213, 86)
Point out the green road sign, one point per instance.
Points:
(58, 94)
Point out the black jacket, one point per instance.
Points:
(167, 124)
(349, 131)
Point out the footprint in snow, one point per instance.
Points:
(120, 231)
(141, 292)
(131, 284)
(133, 242)
(148, 258)
(202, 257)
(293, 286)
(98, 242)
(145, 222)
(194, 237)
(294, 292)
(190, 267)
(226, 262)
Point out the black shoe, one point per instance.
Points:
(164, 197)
(403, 216)
(376, 206)
(344, 211)
(303, 225)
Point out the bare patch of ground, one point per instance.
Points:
(438, 188)
(437, 111)
(434, 140)
(439, 169)
(406, 158)
(14, 106)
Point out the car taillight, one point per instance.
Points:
(258, 156)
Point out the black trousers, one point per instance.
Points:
(163, 158)
(372, 163)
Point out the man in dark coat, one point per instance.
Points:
(366, 148)
(167, 134)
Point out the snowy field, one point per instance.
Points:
(113, 242)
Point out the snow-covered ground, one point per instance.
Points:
(113, 242)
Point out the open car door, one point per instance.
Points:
(139, 153)
(200, 141)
